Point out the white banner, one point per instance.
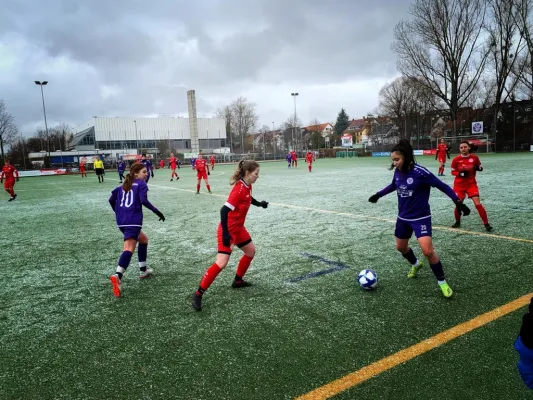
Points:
(347, 140)
(43, 172)
(477, 127)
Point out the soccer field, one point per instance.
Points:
(304, 324)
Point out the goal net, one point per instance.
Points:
(483, 142)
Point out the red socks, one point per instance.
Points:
(198, 187)
(208, 187)
(482, 214)
(209, 276)
(456, 215)
(244, 263)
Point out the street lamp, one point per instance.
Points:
(294, 127)
(274, 136)
(41, 84)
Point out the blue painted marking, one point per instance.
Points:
(338, 266)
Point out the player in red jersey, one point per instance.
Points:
(202, 170)
(10, 173)
(294, 159)
(83, 163)
(464, 168)
(231, 231)
(309, 158)
(442, 151)
(212, 162)
(162, 164)
(173, 163)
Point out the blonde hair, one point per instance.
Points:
(243, 167)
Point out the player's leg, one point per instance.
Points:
(248, 248)
(423, 232)
(481, 211)
(402, 233)
(207, 184)
(198, 181)
(461, 193)
(124, 261)
(142, 253)
(8, 187)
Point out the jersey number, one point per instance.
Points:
(127, 199)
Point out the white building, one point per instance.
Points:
(116, 134)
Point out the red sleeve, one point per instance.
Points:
(234, 196)
(455, 165)
(477, 161)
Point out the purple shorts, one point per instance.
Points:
(131, 232)
(405, 229)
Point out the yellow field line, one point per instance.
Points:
(370, 371)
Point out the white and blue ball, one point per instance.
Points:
(368, 279)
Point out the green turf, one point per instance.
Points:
(64, 336)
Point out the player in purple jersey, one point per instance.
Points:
(121, 167)
(127, 202)
(149, 167)
(412, 183)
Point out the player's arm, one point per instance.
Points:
(143, 194)
(448, 191)
(224, 211)
(261, 203)
(437, 153)
(16, 174)
(477, 165)
(383, 192)
(455, 172)
(113, 199)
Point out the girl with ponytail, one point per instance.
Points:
(412, 183)
(127, 202)
(231, 231)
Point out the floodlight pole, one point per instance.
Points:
(41, 84)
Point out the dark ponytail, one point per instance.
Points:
(243, 167)
(405, 149)
(128, 181)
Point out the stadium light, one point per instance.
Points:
(294, 127)
(41, 84)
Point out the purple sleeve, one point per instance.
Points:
(444, 188)
(143, 193)
(387, 189)
(113, 199)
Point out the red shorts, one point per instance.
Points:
(82, 170)
(463, 191)
(201, 175)
(9, 183)
(442, 160)
(239, 237)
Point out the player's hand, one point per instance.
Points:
(208, 173)
(160, 215)
(435, 157)
(263, 203)
(152, 174)
(478, 168)
(226, 239)
(374, 198)
(17, 179)
(462, 208)
(463, 174)
(1, 181)
(448, 156)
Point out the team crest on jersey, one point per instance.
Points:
(409, 181)
(470, 160)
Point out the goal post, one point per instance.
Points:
(484, 142)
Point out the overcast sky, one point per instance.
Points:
(139, 57)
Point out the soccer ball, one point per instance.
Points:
(368, 279)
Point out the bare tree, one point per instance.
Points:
(291, 125)
(523, 68)
(442, 47)
(504, 48)
(241, 120)
(225, 113)
(8, 129)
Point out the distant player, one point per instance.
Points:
(443, 151)
(193, 162)
(288, 157)
(212, 162)
(231, 231)
(83, 166)
(294, 159)
(202, 170)
(121, 167)
(99, 169)
(309, 158)
(464, 168)
(127, 202)
(149, 167)
(162, 164)
(413, 183)
(10, 174)
(173, 162)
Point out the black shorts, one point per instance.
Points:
(99, 171)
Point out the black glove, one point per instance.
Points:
(448, 156)
(160, 215)
(435, 157)
(17, 179)
(1, 181)
(374, 198)
(152, 174)
(462, 208)
(208, 173)
(263, 203)
(226, 238)
(478, 168)
(463, 174)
